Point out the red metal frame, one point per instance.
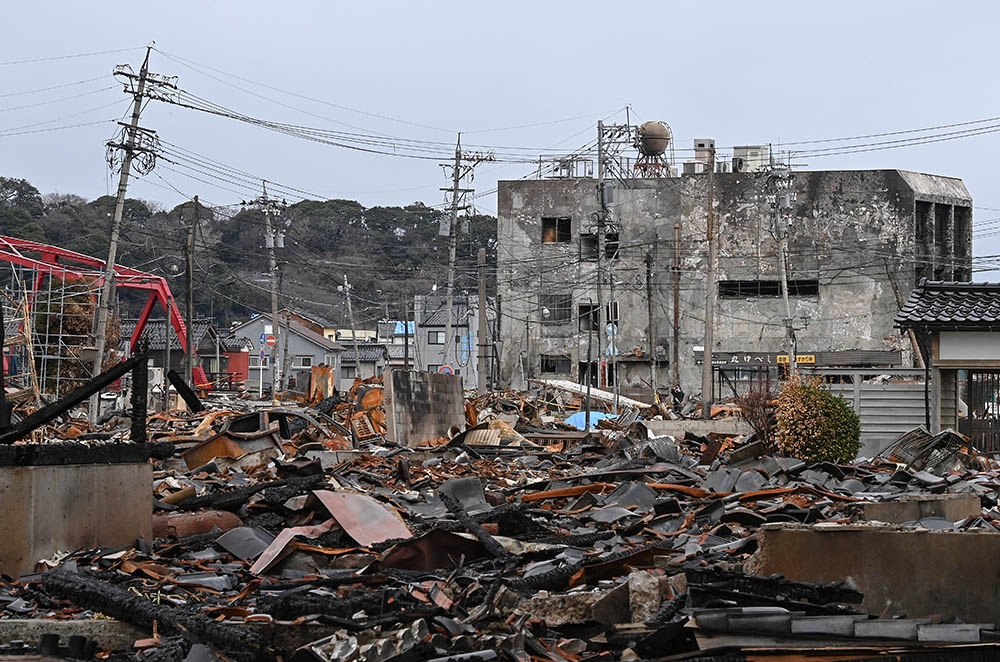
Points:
(54, 261)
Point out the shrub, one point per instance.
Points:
(757, 409)
(815, 425)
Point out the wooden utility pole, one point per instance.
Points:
(710, 293)
(483, 340)
(675, 356)
(651, 323)
(108, 286)
(189, 356)
(354, 330)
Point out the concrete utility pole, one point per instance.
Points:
(108, 287)
(651, 323)
(783, 201)
(270, 241)
(483, 339)
(710, 293)
(456, 179)
(189, 356)
(354, 330)
(406, 335)
(458, 172)
(602, 217)
(675, 356)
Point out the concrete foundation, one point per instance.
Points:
(421, 406)
(732, 425)
(952, 507)
(899, 570)
(49, 509)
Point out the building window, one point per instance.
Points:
(348, 372)
(742, 289)
(611, 245)
(433, 367)
(611, 311)
(941, 213)
(589, 371)
(922, 215)
(588, 247)
(555, 308)
(302, 361)
(556, 230)
(556, 363)
(587, 314)
(256, 363)
(435, 337)
(960, 230)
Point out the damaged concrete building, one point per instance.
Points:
(858, 243)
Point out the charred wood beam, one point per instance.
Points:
(50, 412)
(494, 548)
(125, 606)
(140, 398)
(185, 391)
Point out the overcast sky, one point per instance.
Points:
(741, 72)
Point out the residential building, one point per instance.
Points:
(313, 321)
(306, 349)
(373, 358)
(460, 355)
(858, 242)
(211, 347)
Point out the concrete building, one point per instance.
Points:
(306, 349)
(461, 355)
(858, 242)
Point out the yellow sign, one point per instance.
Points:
(799, 358)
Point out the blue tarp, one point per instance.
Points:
(579, 419)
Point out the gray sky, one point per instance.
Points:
(741, 72)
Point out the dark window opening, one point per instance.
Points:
(588, 371)
(590, 320)
(741, 289)
(922, 214)
(939, 274)
(941, 213)
(611, 311)
(611, 245)
(556, 230)
(556, 363)
(960, 230)
(555, 308)
(588, 247)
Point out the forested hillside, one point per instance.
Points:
(387, 253)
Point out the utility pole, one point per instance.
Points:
(108, 286)
(710, 286)
(354, 330)
(651, 323)
(458, 172)
(189, 356)
(483, 340)
(406, 335)
(602, 217)
(675, 356)
(783, 200)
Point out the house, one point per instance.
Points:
(306, 348)
(396, 335)
(460, 355)
(238, 356)
(958, 327)
(857, 244)
(373, 358)
(316, 323)
(213, 348)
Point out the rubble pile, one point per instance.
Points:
(303, 532)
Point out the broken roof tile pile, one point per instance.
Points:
(508, 542)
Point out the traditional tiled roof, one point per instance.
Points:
(368, 352)
(951, 305)
(154, 330)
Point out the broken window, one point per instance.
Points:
(302, 361)
(742, 289)
(589, 319)
(556, 230)
(555, 308)
(588, 247)
(435, 337)
(922, 215)
(557, 363)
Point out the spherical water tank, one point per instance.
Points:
(653, 138)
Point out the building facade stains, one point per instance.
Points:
(858, 242)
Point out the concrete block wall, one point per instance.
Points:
(50, 509)
(422, 405)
